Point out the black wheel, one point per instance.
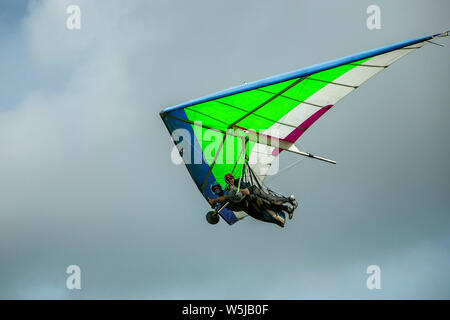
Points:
(212, 217)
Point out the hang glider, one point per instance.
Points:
(272, 114)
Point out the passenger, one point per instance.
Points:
(253, 201)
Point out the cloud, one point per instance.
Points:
(86, 176)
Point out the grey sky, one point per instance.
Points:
(86, 176)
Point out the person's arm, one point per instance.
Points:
(219, 199)
(245, 188)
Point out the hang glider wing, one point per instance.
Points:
(279, 108)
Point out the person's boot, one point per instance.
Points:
(290, 211)
(293, 201)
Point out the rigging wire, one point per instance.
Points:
(273, 177)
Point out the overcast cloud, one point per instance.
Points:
(86, 176)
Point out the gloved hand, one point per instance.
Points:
(235, 196)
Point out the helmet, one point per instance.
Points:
(214, 185)
(229, 175)
(212, 217)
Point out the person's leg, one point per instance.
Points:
(264, 214)
(279, 220)
(276, 200)
(262, 204)
(281, 207)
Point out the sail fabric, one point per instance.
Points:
(281, 107)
